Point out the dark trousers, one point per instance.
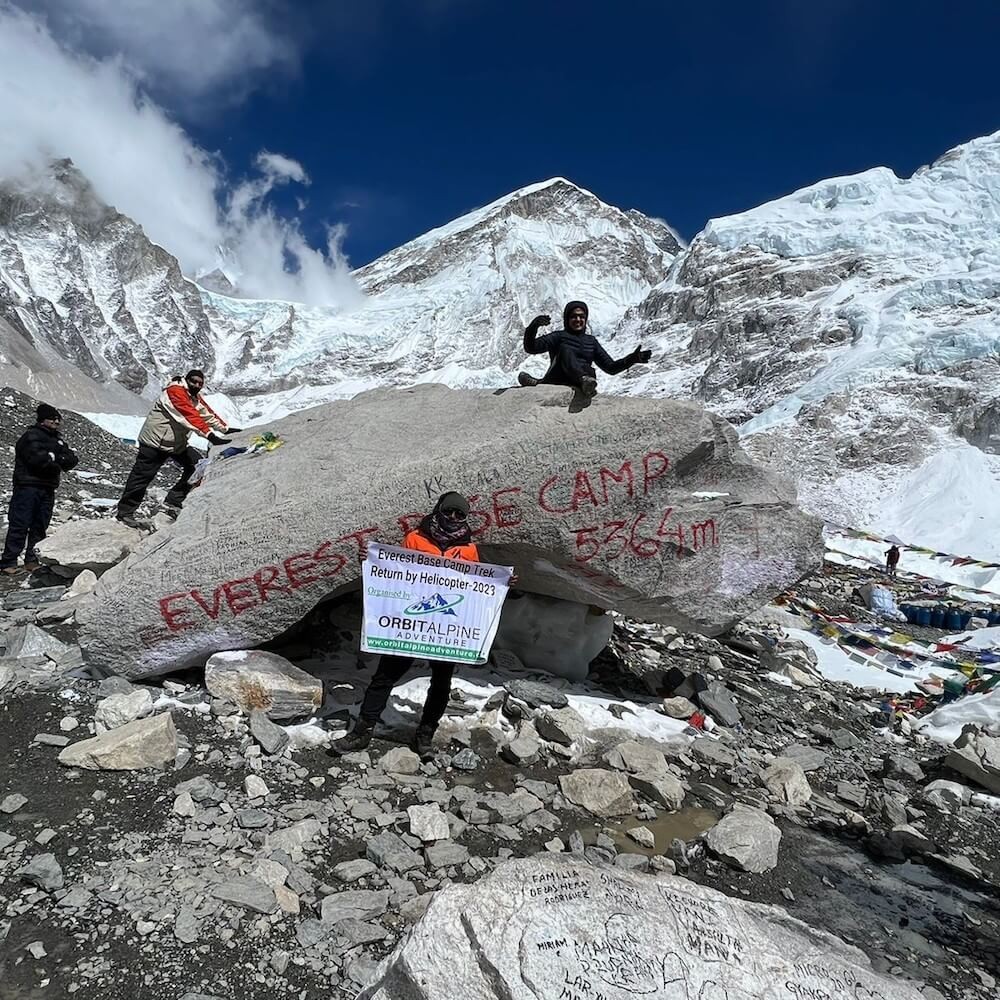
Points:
(389, 673)
(147, 465)
(566, 369)
(27, 521)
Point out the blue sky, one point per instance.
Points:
(270, 128)
(685, 111)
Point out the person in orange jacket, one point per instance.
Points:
(443, 532)
(180, 412)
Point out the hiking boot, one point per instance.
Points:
(169, 510)
(11, 570)
(130, 522)
(523, 378)
(357, 739)
(423, 743)
(588, 386)
(30, 567)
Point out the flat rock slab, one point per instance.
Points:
(75, 546)
(536, 926)
(25, 641)
(145, 743)
(597, 506)
(603, 793)
(255, 679)
(747, 838)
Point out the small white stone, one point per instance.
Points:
(68, 724)
(255, 787)
(643, 836)
(184, 805)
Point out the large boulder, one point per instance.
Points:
(255, 679)
(560, 637)
(145, 743)
(647, 506)
(71, 548)
(553, 927)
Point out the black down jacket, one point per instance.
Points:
(40, 457)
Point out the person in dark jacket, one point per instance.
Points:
(892, 560)
(573, 352)
(40, 458)
(443, 532)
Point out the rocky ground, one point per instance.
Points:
(254, 864)
(234, 856)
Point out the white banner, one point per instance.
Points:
(422, 605)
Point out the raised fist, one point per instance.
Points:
(542, 320)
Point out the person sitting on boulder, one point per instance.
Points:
(573, 352)
(443, 532)
(40, 458)
(180, 411)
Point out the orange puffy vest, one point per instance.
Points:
(415, 540)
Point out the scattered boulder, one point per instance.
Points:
(603, 793)
(535, 694)
(808, 758)
(399, 760)
(977, 756)
(7, 675)
(247, 892)
(42, 871)
(85, 583)
(354, 904)
(718, 701)
(13, 802)
(388, 851)
(255, 679)
(897, 765)
(150, 742)
(787, 782)
(205, 583)
(428, 823)
(70, 548)
(560, 725)
(534, 925)
(119, 709)
(559, 637)
(746, 838)
(679, 708)
(29, 640)
(636, 758)
(946, 795)
(663, 789)
(272, 739)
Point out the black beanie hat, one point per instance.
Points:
(46, 412)
(570, 306)
(452, 499)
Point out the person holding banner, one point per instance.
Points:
(444, 533)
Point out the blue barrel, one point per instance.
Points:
(923, 616)
(909, 612)
(994, 617)
(953, 620)
(966, 618)
(937, 618)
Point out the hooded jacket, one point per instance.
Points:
(175, 416)
(422, 541)
(40, 457)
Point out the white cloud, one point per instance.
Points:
(56, 103)
(190, 49)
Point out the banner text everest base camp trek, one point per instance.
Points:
(417, 604)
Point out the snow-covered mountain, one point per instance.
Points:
(450, 306)
(82, 283)
(852, 328)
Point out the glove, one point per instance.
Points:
(215, 439)
(234, 430)
(639, 356)
(542, 320)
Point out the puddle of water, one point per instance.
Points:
(685, 824)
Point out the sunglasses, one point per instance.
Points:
(454, 513)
